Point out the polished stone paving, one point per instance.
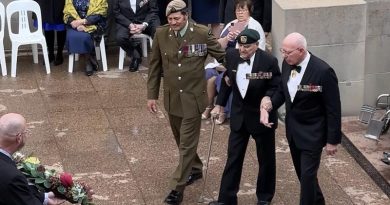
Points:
(98, 129)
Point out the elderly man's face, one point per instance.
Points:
(177, 21)
(247, 50)
(291, 53)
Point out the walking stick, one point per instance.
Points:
(201, 198)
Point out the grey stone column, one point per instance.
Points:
(335, 32)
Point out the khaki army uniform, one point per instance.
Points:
(182, 59)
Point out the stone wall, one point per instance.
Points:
(351, 35)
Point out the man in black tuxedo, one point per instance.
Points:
(309, 87)
(14, 189)
(253, 74)
(135, 17)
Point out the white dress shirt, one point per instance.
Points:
(133, 4)
(293, 82)
(242, 82)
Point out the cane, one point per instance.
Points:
(201, 198)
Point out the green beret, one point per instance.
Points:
(248, 36)
(175, 6)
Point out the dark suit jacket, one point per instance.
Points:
(247, 111)
(226, 11)
(124, 14)
(314, 118)
(14, 189)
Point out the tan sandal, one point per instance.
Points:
(206, 114)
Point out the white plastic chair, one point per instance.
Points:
(100, 54)
(144, 38)
(2, 54)
(25, 36)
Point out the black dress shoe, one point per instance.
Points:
(216, 203)
(263, 203)
(195, 175)
(89, 70)
(175, 198)
(134, 65)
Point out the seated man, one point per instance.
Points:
(134, 18)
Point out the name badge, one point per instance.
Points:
(142, 3)
(310, 88)
(259, 76)
(194, 50)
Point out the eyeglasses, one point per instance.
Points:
(241, 10)
(287, 53)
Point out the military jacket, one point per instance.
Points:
(182, 59)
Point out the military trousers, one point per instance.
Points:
(186, 132)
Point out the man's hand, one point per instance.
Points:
(217, 111)
(152, 106)
(264, 117)
(266, 103)
(331, 149)
(53, 200)
(227, 80)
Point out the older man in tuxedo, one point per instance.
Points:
(135, 17)
(253, 74)
(309, 87)
(14, 189)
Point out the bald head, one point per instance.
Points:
(294, 48)
(11, 125)
(295, 39)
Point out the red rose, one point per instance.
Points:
(66, 180)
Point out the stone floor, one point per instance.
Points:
(98, 129)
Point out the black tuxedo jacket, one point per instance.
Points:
(14, 189)
(246, 111)
(313, 118)
(146, 11)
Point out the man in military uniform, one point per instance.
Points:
(179, 50)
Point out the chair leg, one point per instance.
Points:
(45, 56)
(122, 55)
(71, 61)
(34, 48)
(103, 54)
(145, 47)
(14, 59)
(2, 61)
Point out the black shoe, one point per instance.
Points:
(175, 198)
(94, 63)
(134, 65)
(59, 60)
(89, 70)
(263, 203)
(195, 175)
(216, 203)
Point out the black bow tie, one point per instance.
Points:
(296, 68)
(245, 60)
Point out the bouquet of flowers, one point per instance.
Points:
(61, 184)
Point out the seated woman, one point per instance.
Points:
(86, 21)
(227, 39)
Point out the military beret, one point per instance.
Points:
(175, 6)
(248, 36)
